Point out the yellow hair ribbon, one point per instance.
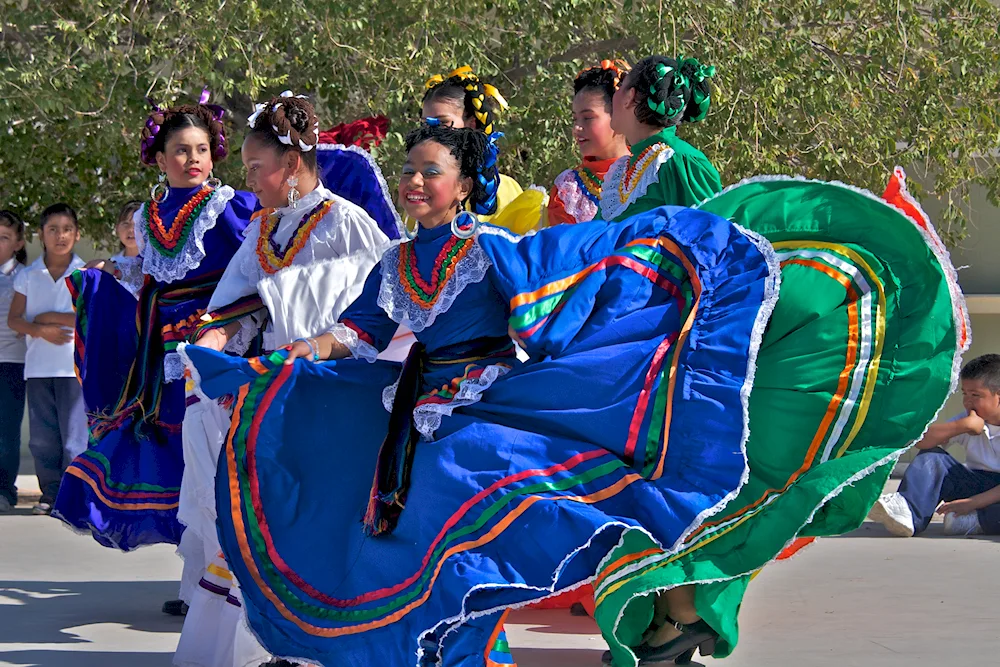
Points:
(495, 94)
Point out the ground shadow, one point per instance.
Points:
(561, 657)
(934, 532)
(554, 622)
(36, 612)
(84, 659)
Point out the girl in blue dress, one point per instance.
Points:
(124, 489)
(496, 483)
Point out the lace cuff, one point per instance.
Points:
(244, 338)
(349, 338)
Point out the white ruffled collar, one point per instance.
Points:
(171, 269)
(617, 195)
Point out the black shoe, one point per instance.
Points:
(175, 608)
(278, 662)
(577, 609)
(698, 635)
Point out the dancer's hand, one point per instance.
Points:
(213, 339)
(298, 350)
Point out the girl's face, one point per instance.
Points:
(623, 120)
(268, 172)
(449, 112)
(592, 127)
(431, 187)
(186, 158)
(9, 243)
(125, 229)
(59, 235)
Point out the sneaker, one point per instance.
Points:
(893, 512)
(962, 524)
(5, 505)
(42, 508)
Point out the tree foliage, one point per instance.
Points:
(838, 89)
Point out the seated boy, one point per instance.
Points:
(970, 493)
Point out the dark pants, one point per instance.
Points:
(58, 423)
(11, 416)
(935, 476)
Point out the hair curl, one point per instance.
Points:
(604, 79)
(162, 123)
(669, 92)
(11, 220)
(475, 154)
(478, 99)
(287, 123)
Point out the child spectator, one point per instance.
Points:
(12, 259)
(42, 310)
(970, 493)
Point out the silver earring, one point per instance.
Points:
(160, 190)
(465, 218)
(293, 194)
(213, 182)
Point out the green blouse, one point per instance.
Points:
(667, 171)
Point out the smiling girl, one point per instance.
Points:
(125, 488)
(577, 192)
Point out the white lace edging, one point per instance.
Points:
(397, 304)
(611, 206)
(575, 200)
(493, 230)
(427, 418)
(386, 192)
(171, 269)
(244, 338)
(348, 337)
(173, 367)
(132, 276)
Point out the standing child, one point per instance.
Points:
(128, 264)
(42, 310)
(12, 259)
(577, 192)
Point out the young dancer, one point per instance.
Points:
(12, 348)
(304, 259)
(41, 310)
(125, 488)
(499, 483)
(577, 192)
(462, 99)
(657, 96)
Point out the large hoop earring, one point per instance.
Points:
(213, 182)
(160, 189)
(293, 194)
(406, 230)
(457, 222)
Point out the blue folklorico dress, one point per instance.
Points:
(124, 489)
(375, 513)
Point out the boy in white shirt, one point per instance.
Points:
(42, 310)
(968, 495)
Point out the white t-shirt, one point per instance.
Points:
(43, 294)
(982, 451)
(12, 346)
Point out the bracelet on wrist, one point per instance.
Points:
(313, 349)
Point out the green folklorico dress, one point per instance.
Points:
(862, 348)
(662, 170)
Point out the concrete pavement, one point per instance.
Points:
(860, 600)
